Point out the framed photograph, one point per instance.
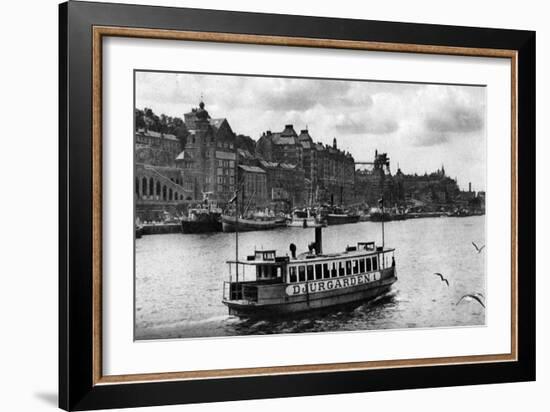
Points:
(257, 205)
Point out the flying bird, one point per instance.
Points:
(479, 249)
(442, 278)
(470, 297)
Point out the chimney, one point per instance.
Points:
(469, 186)
(334, 143)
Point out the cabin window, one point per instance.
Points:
(375, 263)
(355, 267)
(333, 271)
(348, 267)
(318, 271)
(292, 274)
(326, 273)
(361, 265)
(341, 271)
(279, 271)
(310, 272)
(369, 265)
(302, 273)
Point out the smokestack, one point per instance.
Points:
(318, 240)
(469, 186)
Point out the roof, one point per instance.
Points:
(245, 153)
(152, 133)
(216, 122)
(251, 169)
(188, 156)
(282, 140)
(267, 164)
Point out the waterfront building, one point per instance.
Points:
(281, 147)
(335, 175)
(285, 185)
(435, 187)
(156, 148)
(211, 160)
(328, 170)
(253, 188)
(159, 182)
(309, 157)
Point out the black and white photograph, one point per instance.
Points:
(271, 205)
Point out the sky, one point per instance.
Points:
(420, 126)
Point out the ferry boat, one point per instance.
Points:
(266, 284)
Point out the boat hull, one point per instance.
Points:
(229, 224)
(302, 223)
(313, 301)
(341, 219)
(201, 227)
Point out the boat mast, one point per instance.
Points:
(237, 235)
(381, 204)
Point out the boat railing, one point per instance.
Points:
(240, 291)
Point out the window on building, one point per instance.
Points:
(375, 263)
(170, 194)
(220, 188)
(144, 187)
(355, 267)
(348, 267)
(151, 186)
(341, 271)
(137, 186)
(333, 272)
(292, 274)
(362, 265)
(163, 192)
(302, 273)
(369, 264)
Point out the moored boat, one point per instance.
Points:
(231, 223)
(341, 218)
(202, 220)
(266, 284)
(302, 218)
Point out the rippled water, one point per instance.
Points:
(179, 279)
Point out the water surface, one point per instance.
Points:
(179, 279)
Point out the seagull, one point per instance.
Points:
(479, 249)
(470, 297)
(442, 278)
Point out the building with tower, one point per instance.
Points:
(210, 155)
